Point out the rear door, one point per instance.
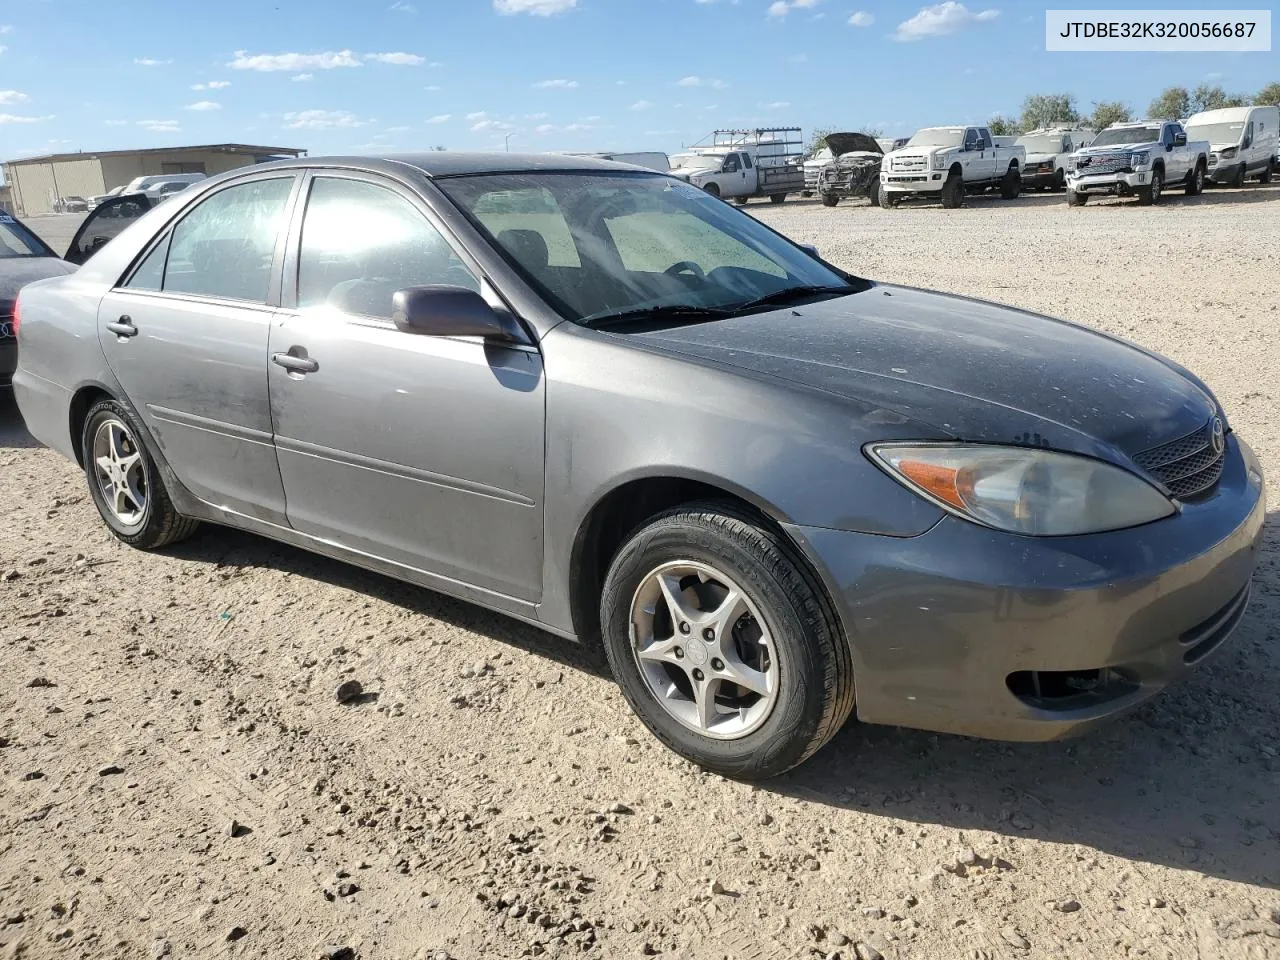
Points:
(425, 451)
(186, 332)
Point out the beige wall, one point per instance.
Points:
(35, 191)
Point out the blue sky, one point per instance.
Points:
(386, 75)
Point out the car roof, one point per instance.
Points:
(457, 164)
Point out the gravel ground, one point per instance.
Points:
(177, 778)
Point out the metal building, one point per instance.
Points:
(38, 184)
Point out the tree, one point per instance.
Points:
(1268, 96)
(1042, 110)
(817, 140)
(874, 133)
(1107, 112)
(1001, 126)
(1173, 104)
(1205, 97)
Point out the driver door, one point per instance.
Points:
(425, 451)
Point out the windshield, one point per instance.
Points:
(1042, 143)
(17, 241)
(938, 137)
(693, 160)
(1227, 133)
(607, 245)
(1120, 135)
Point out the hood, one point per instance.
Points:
(1115, 147)
(1041, 157)
(970, 370)
(842, 143)
(17, 272)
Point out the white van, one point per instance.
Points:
(143, 184)
(1242, 142)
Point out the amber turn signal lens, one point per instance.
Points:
(936, 480)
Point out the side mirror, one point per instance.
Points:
(1179, 139)
(446, 311)
(810, 249)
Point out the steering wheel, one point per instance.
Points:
(686, 266)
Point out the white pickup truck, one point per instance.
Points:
(1141, 159)
(948, 162)
(740, 164)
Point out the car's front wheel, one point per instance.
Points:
(724, 644)
(125, 484)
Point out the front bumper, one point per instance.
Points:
(1036, 177)
(8, 362)
(913, 181)
(972, 631)
(1121, 183)
(1224, 172)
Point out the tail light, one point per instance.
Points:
(17, 317)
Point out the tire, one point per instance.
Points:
(1195, 181)
(1265, 176)
(953, 191)
(1148, 196)
(1076, 198)
(713, 189)
(887, 200)
(740, 201)
(873, 193)
(144, 516)
(807, 670)
(1238, 179)
(777, 198)
(829, 199)
(1011, 185)
(1059, 182)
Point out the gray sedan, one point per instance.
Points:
(601, 401)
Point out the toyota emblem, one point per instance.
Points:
(1219, 436)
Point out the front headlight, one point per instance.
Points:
(1228, 153)
(939, 161)
(1038, 493)
(1140, 158)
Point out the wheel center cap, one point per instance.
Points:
(698, 654)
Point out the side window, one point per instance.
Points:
(984, 136)
(746, 160)
(1248, 136)
(362, 242)
(225, 246)
(1066, 145)
(150, 273)
(1170, 131)
(971, 139)
(731, 164)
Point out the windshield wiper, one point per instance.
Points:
(791, 295)
(677, 311)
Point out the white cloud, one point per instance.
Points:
(696, 81)
(538, 8)
(13, 96)
(484, 125)
(401, 6)
(940, 19)
(204, 106)
(6, 28)
(211, 85)
(556, 85)
(160, 126)
(776, 105)
(322, 120)
(397, 59)
(780, 8)
(641, 105)
(441, 118)
(268, 62)
(478, 115)
(148, 62)
(10, 118)
(433, 89)
(302, 77)
(3, 48)
(861, 19)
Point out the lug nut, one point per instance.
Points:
(699, 675)
(717, 664)
(679, 653)
(708, 635)
(685, 628)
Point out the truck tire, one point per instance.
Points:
(1147, 196)
(777, 198)
(740, 201)
(1059, 182)
(887, 200)
(1238, 179)
(1076, 199)
(873, 193)
(1266, 174)
(1011, 185)
(1195, 181)
(713, 189)
(829, 199)
(953, 191)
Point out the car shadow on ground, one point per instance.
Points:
(13, 432)
(1188, 781)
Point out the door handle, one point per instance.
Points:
(295, 364)
(123, 327)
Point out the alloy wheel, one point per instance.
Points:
(704, 650)
(121, 475)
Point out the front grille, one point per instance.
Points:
(1190, 466)
(909, 163)
(1104, 163)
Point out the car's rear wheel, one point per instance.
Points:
(1266, 175)
(953, 191)
(125, 484)
(723, 643)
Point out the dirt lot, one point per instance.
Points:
(177, 779)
